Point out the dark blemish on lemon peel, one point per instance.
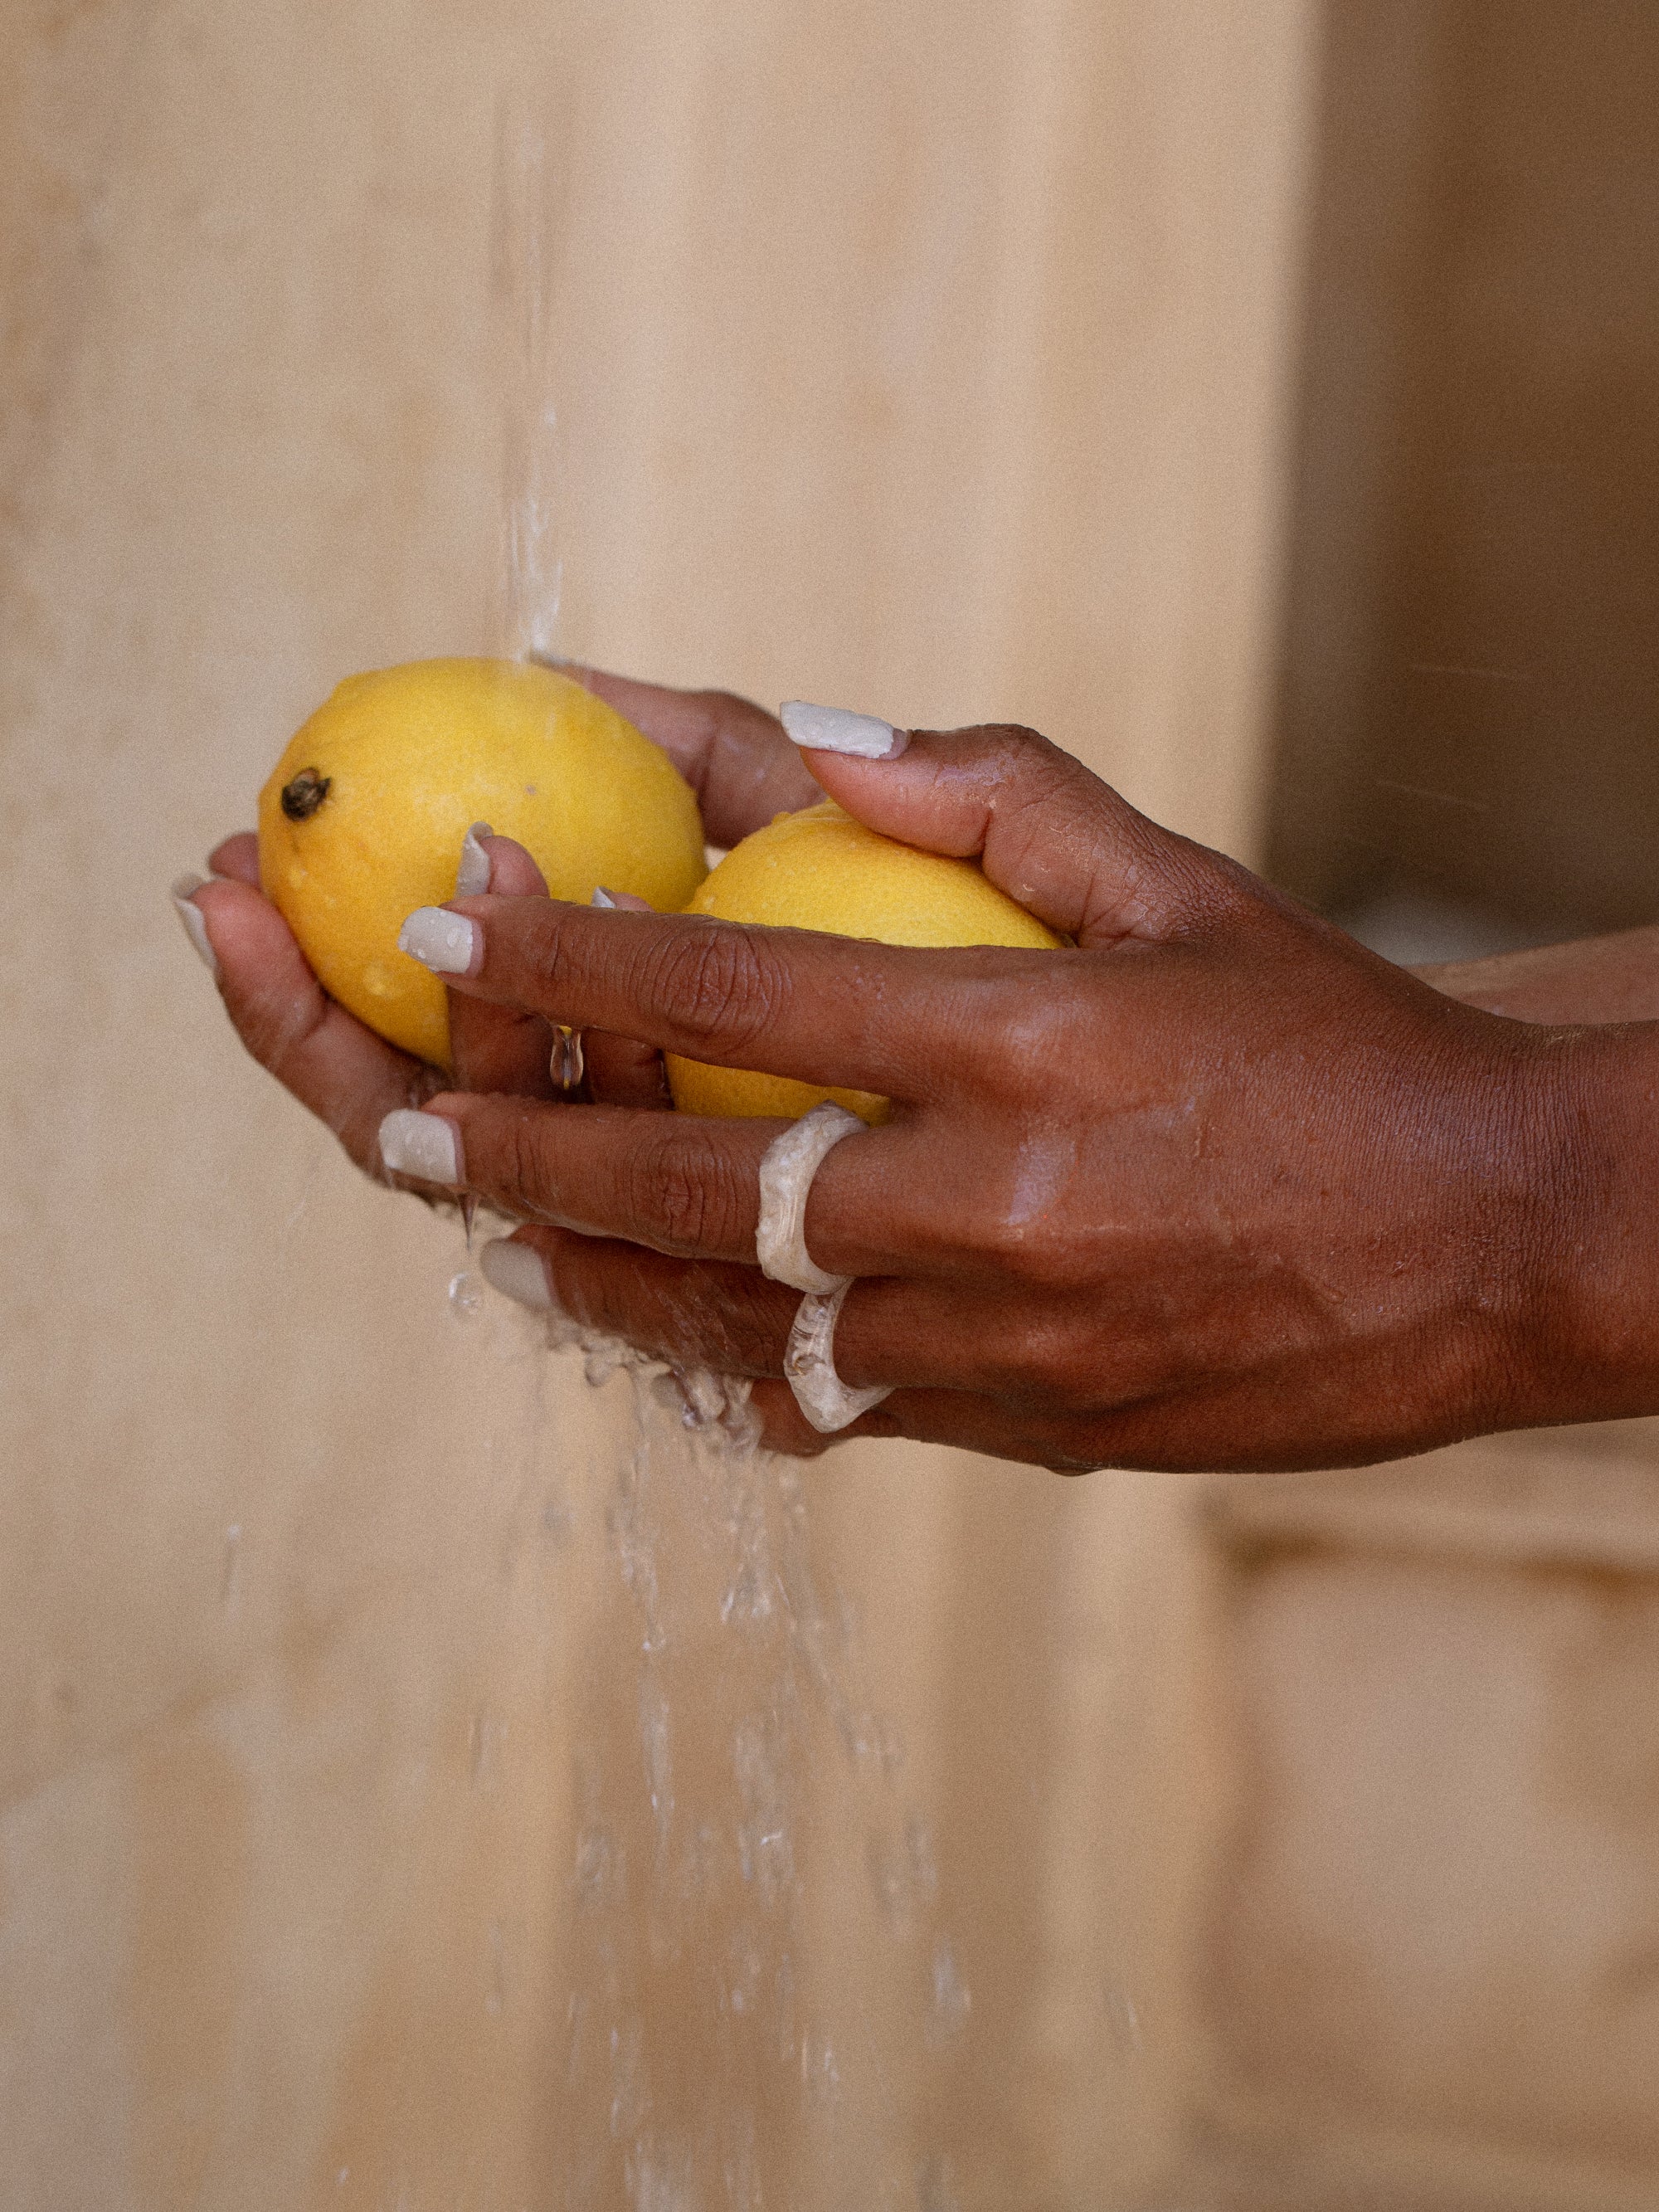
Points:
(305, 793)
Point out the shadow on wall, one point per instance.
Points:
(1470, 675)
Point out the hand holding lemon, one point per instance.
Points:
(1211, 1186)
(362, 819)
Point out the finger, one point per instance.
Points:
(727, 1318)
(345, 1075)
(493, 1047)
(1062, 843)
(676, 1182)
(734, 755)
(237, 858)
(620, 1072)
(501, 1048)
(730, 1319)
(907, 1023)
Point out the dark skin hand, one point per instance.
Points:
(1217, 1188)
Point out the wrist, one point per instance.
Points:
(1597, 979)
(1590, 1330)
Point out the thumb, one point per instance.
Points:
(1060, 841)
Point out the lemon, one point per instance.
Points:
(364, 817)
(821, 870)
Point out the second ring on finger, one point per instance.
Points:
(717, 1313)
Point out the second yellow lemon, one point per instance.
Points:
(821, 870)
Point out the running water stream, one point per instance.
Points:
(735, 1787)
(737, 1793)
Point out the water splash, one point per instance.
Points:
(723, 1675)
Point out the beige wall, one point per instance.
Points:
(1432, 1936)
(928, 361)
(1470, 682)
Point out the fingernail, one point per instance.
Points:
(472, 876)
(423, 1145)
(834, 730)
(516, 1270)
(441, 941)
(602, 897)
(195, 921)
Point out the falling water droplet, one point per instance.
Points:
(232, 1561)
(1124, 2018)
(567, 1065)
(469, 1215)
(496, 1997)
(950, 1997)
(933, 2190)
(464, 1295)
(820, 2069)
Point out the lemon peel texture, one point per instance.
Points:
(363, 818)
(821, 870)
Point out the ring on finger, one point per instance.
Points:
(787, 1171)
(791, 1162)
(809, 1365)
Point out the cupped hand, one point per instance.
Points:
(1213, 1187)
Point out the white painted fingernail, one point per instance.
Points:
(423, 1145)
(195, 921)
(516, 1270)
(834, 730)
(441, 941)
(472, 876)
(602, 897)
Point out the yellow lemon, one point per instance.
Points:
(821, 870)
(364, 817)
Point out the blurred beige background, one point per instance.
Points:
(1063, 361)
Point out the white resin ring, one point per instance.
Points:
(787, 1170)
(809, 1365)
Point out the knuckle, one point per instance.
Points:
(521, 1176)
(745, 1322)
(682, 1195)
(1043, 1258)
(1051, 1358)
(278, 1033)
(1019, 766)
(718, 710)
(1038, 1029)
(1015, 740)
(550, 951)
(720, 980)
(715, 720)
(1042, 1250)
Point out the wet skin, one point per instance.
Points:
(1215, 1188)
